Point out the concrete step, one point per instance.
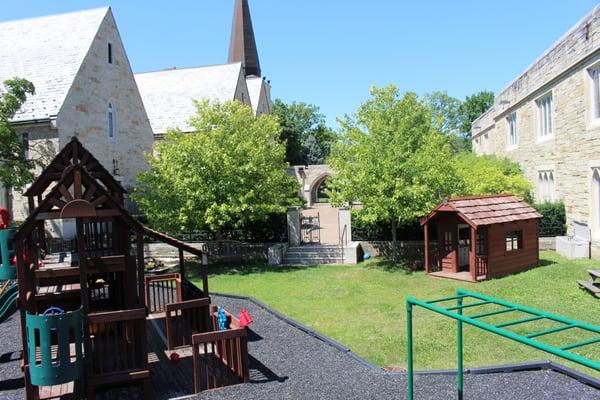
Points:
(311, 262)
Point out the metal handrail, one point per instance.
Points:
(343, 239)
(474, 319)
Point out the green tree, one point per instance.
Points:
(490, 175)
(308, 140)
(447, 118)
(229, 173)
(473, 107)
(391, 158)
(15, 170)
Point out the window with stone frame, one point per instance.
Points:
(112, 124)
(546, 191)
(25, 141)
(545, 115)
(512, 130)
(514, 240)
(110, 53)
(595, 91)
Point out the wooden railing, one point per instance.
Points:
(220, 359)
(117, 344)
(481, 266)
(162, 290)
(184, 319)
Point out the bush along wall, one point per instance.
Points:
(554, 222)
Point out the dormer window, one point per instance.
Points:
(110, 54)
(112, 128)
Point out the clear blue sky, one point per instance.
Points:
(329, 52)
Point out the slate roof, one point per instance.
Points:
(488, 210)
(255, 86)
(168, 95)
(48, 51)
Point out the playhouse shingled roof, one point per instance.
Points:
(48, 51)
(487, 210)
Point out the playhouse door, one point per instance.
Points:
(464, 244)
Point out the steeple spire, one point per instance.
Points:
(242, 47)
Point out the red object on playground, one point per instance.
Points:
(4, 218)
(174, 358)
(26, 260)
(245, 319)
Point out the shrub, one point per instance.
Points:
(554, 222)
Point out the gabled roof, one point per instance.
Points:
(168, 95)
(73, 154)
(48, 51)
(255, 88)
(487, 210)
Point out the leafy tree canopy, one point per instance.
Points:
(308, 139)
(453, 117)
(229, 173)
(488, 174)
(392, 158)
(14, 168)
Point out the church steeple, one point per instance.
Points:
(242, 47)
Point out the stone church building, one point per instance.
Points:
(168, 95)
(84, 87)
(548, 120)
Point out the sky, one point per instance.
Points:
(330, 52)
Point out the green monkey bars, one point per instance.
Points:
(474, 319)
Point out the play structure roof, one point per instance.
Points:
(487, 210)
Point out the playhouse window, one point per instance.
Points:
(480, 250)
(448, 241)
(514, 240)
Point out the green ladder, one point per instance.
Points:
(474, 319)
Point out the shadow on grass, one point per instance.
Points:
(387, 264)
(193, 269)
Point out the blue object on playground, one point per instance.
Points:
(7, 271)
(53, 311)
(8, 301)
(221, 319)
(366, 256)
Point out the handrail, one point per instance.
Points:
(344, 240)
(474, 319)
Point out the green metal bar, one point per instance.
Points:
(579, 344)
(490, 313)
(409, 341)
(510, 335)
(550, 330)
(459, 341)
(532, 311)
(519, 321)
(446, 299)
(462, 307)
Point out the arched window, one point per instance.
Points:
(546, 186)
(112, 124)
(319, 192)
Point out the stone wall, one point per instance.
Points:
(308, 178)
(85, 111)
(571, 152)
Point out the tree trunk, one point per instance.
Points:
(394, 242)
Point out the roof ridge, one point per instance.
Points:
(172, 69)
(483, 196)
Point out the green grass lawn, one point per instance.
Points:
(363, 307)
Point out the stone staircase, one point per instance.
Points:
(313, 255)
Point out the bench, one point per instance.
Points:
(594, 273)
(590, 287)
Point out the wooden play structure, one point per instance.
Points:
(85, 313)
(481, 237)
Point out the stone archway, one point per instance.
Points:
(318, 193)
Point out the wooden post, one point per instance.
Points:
(205, 274)
(427, 247)
(181, 264)
(83, 292)
(140, 267)
(472, 254)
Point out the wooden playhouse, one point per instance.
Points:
(91, 316)
(481, 237)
